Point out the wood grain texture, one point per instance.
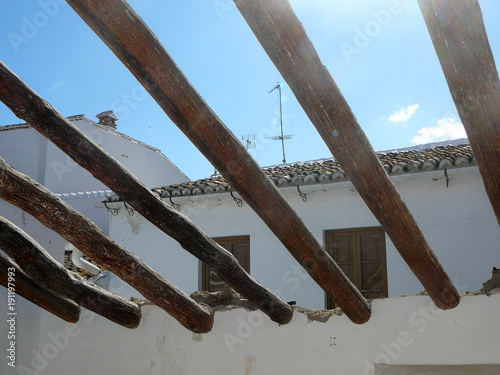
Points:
(34, 292)
(28, 105)
(461, 43)
(125, 33)
(33, 198)
(286, 42)
(45, 270)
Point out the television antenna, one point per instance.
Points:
(281, 137)
(248, 140)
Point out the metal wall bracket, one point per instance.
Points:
(238, 201)
(130, 210)
(174, 205)
(302, 195)
(114, 211)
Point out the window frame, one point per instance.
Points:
(357, 262)
(205, 280)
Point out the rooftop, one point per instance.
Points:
(77, 118)
(105, 126)
(329, 170)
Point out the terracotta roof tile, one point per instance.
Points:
(328, 170)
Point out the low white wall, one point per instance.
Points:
(402, 331)
(457, 221)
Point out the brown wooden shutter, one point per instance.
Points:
(360, 253)
(372, 268)
(240, 247)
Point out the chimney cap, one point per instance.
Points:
(107, 118)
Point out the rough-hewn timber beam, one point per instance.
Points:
(33, 292)
(45, 270)
(285, 40)
(28, 105)
(25, 193)
(117, 24)
(461, 43)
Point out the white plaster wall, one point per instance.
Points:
(149, 165)
(88, 207)
(30, 153)
(25, 150)
(457, 221)
(49, 240)
(402, 331)
(27, 332)
(156, 249)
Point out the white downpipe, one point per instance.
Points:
(78, 261)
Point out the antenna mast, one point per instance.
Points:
(278, 86)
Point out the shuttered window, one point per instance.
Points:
(240, 248)
(360, 253)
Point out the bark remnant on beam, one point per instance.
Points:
(461, 43)
(285, 40)
(34, 292)
(45, 270)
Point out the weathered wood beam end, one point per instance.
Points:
(45, 270)
(33, 292)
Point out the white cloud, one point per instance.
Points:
(404, 114)
(446, 128)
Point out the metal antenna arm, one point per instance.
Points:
(278, 86)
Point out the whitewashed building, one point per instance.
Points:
(409, 335)
(32, 154)
(441, 186)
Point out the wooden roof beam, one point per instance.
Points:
(25, 193)
(45, 270)
(126, 34)
(11, 274)
(461, 43)
(285, 40)
(32, 108)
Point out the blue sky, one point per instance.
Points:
(379, 53)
